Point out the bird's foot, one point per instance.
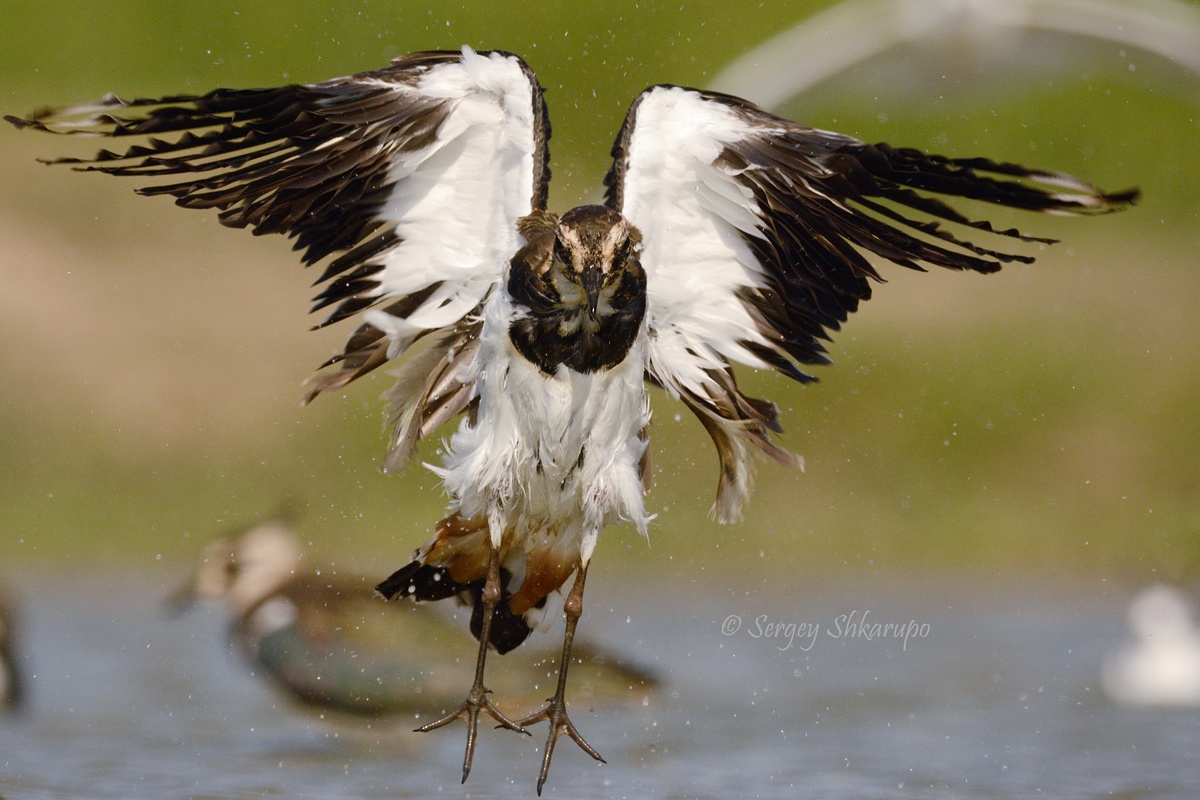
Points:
(477, 700)
(555, 712)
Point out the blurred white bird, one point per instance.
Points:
(1161, 665)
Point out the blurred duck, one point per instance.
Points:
(1160, 666)
(331, 643)
(11, 689)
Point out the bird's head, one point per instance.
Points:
(595, 251)
(242, 570)
(580, 288)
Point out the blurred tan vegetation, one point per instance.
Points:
(1041, 421)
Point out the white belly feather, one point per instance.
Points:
(548, 455)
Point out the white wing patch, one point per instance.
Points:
(696, 220)
(692, 218)
(457, 200)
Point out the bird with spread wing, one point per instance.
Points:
(728, 236)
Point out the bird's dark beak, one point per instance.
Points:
(593, 280)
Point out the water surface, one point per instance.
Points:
(995, 694)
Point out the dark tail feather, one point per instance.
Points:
(424, 583)
(508, 629)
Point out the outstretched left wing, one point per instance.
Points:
(755, 234)
(407, 182)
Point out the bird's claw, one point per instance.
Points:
(555, 712)
(477, 700)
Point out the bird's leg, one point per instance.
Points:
(555, 711)
(477, 698)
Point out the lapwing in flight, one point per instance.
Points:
(727, 236)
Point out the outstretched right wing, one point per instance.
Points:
(756, 236)
(407, 182)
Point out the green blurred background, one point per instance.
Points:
(1036, 424)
